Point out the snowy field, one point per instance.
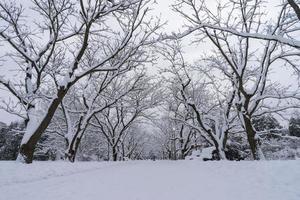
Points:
(151, 180)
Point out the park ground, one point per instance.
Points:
(151, 180)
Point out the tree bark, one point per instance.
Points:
(72, 150)
(27, 147)
(219, 150)
(251, 136)
(114, 154)
(295, 7)
(75, 141)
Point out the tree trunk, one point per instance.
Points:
(295, 7)
(108, 151)
(123, 151)
(182, 154)
(75, 141)
(33, 134)
(114, 154)
(219, 151)
(72, 149)
(251, 136)
(219, 147)
(221, 154)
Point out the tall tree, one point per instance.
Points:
(209, 110)
(115, 121)
(239, 57)
(78, 40)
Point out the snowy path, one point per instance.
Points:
(148, 180)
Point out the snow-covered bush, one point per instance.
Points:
(294, 126)
(276, 146)
(205, 154)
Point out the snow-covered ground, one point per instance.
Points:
(151, 180)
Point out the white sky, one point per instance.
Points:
(175, 22)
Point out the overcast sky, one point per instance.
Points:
(175, 22)
(162, 8)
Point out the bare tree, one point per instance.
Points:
(213, 119)
(177, 139)
(107, 96)
(286, 20)
(114, 121)
(84, 38)
(233, 28)
(134, 142)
